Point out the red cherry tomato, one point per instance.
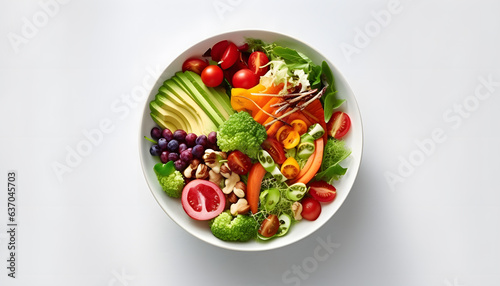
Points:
(269, 226)
(338, 125)
(239, 162)
(218, 49)
(229, 73)
(194, 65)
(230, 56)
(245, 78)
(202, 199)
(256, 61)
(322, 191)
(311, 208)
(212, 76)
(275, 149)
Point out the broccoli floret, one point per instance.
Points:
(171, 180)
(241, 132)
(241, 228)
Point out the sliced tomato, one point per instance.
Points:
(269, 226)
(322, 191)
(338, 125)
(275, 149)
(256, 61)
(239, 162)
(283, 132)
(292, 140)
(218, 49)
(202, 199)
(290, 168)
(299, 126)
(311, 208)
(230, 56)
(194, 65)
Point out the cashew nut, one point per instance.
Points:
(240, 207)
(190, 170)
(297, 210)
(240, 189)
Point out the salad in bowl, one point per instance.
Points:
(250, 140)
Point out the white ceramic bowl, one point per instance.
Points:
(200, 229)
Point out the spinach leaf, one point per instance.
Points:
(330, 101)
(290, 56)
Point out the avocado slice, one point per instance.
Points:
(177, 94)
(169, 114)
(217, 97)
(161, 123)
(206, 100)
(165, 96)
(163, 110)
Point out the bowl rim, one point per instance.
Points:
(354, 169)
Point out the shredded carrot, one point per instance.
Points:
(261, 116)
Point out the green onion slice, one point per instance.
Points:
(296, 191)
(266, 160)
(277, 174)
(285, 223)
(316, 131)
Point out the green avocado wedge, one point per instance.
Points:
(200, 100)
(220, 99)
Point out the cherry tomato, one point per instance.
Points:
(290, 168)
(229, 73)
(269, 226)
(292, 140)
(218, 49)
(283, 132)
(212, 76)
(230, 56)
(275, 149)
(239, 162)
(202, 199)
(311, 208)
(256, 61)
(338, 125)
(194, 65)
(245, 78)
(299, 126)
(322, 191)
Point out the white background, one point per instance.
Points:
(414, 73)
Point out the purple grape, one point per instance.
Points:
(182, 147)
(156, 133)
(212, 138)
(164, 157)
(173, 157)
(162, 143)
(155, 150)
(198, 151)
(186, 156)
(191, 139)
(180, 135)
(202, 140)
(167, 134)
(180, 165)
(173, 145)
